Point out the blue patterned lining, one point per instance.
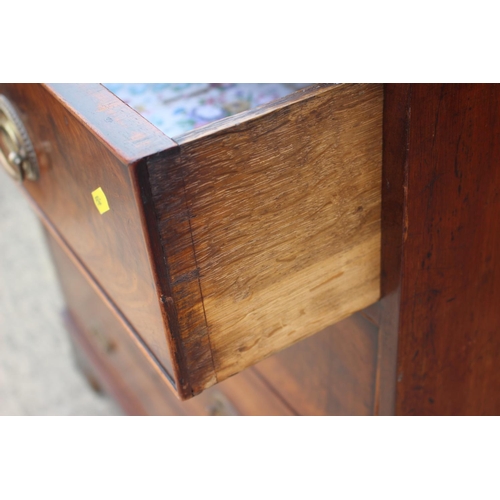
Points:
(176, 108)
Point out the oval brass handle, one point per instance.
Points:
(17, 154)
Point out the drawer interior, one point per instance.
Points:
(177, 108)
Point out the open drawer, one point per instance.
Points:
(225, 244)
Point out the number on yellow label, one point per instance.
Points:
(100, 200)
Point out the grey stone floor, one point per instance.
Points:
(37, 372)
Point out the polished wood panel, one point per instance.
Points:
(113, 362)
(127, 329)
(449, 342)
(125, 133)
(101, 379)
(270, 225)
(86, 138)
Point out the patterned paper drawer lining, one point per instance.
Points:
(176, 108)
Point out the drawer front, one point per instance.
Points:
(123, 370)
(86, 139)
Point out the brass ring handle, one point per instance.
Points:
(17, 154)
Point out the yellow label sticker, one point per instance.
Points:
(100, 200)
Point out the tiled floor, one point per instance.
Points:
(37, 372)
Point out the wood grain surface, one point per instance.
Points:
(330, 373)
(449, 342)
(87, 138)
(112, 361)
(61, 249)
(270, 225)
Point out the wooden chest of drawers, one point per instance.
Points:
(186, 262)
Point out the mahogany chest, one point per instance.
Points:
(331, 251)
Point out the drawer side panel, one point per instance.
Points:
(278, 212)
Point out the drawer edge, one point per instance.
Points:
(127, 134)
